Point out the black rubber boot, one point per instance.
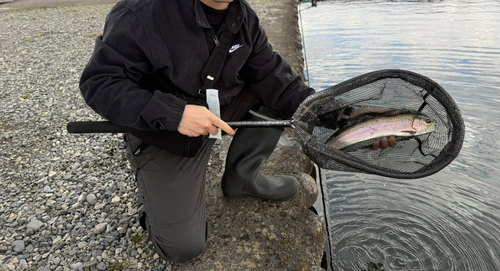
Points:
(249, 150)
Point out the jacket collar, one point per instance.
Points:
(234, 18)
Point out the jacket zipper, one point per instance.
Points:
(216, 38)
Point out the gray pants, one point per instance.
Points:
(172, 192)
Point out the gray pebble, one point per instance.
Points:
(101, 266)
(73, 252)
(34, 225)
(96, 253)
(29, 248)
(76, 266)
(37, 258)
(81, 198)
(100, 228)
(122, 230)
(23, 264)
(91, 199)
(89, 264)
(29, 232)
(18, 246)
(82, 245)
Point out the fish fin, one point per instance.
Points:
(392, 112)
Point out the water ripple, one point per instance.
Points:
(411, 226)
(448, 221)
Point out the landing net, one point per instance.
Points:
(323, 116)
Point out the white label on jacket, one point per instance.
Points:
(214, 107)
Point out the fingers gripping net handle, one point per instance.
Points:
(373, 96)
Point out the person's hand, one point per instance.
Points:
(384, 143)
(198, 120)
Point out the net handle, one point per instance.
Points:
(79, 127)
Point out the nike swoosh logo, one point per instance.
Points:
(235, 47)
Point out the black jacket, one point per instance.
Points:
(149, 46)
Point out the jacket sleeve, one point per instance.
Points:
(271, 78)
(109, 82)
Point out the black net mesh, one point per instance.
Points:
(390, 95)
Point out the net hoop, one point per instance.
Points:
(315, 149)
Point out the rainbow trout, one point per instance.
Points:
(384, 126)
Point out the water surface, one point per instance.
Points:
(447, 221)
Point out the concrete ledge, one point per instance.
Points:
(253, 234)
(261, 235)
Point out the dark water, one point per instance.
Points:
(450, 220)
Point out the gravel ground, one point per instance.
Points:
(67, 202)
